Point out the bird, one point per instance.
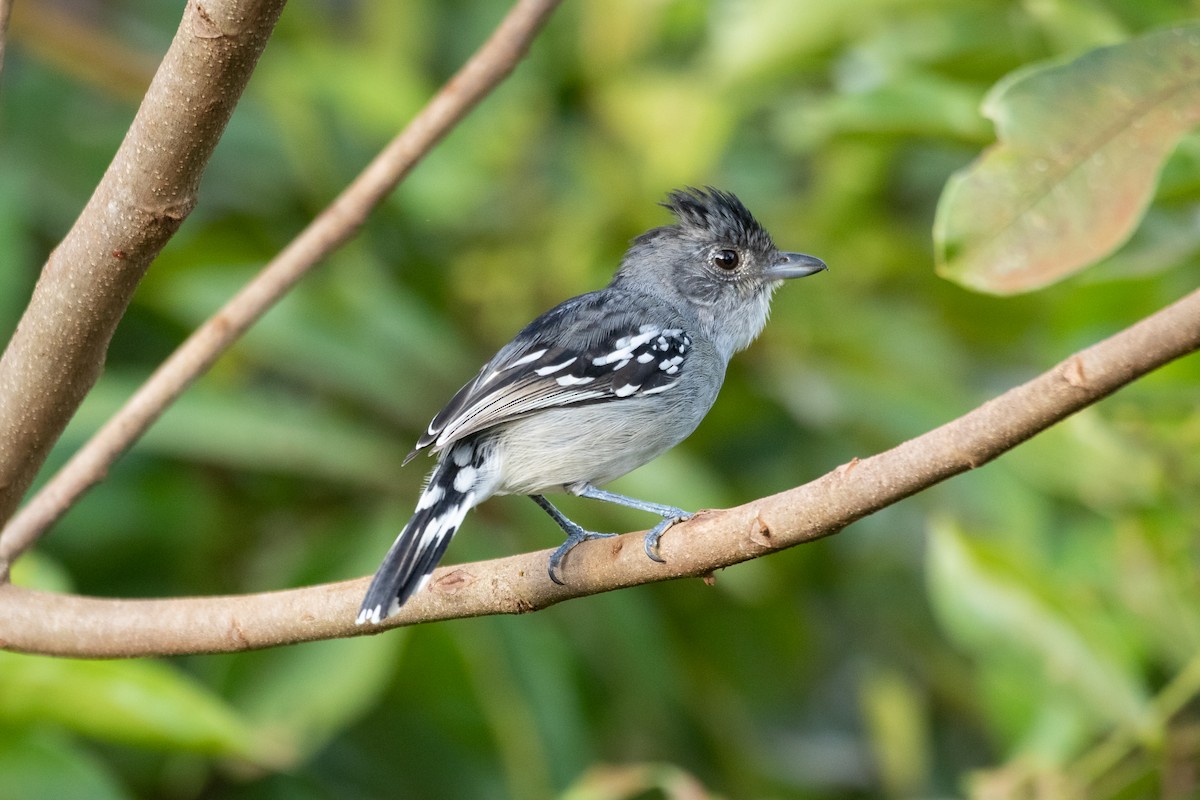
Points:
(597, 386)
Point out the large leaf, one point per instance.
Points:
(134, 702)
(1080, 148)
(999, 611)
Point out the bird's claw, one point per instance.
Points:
(575, 537)
(650, 543)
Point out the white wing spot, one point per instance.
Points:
(645, 358)
(572, 380)
(527, 358)
(648, 333)
(556, 367)
(625, 390)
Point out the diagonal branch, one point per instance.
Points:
(58, 349)
(68, 625)
(486, 69)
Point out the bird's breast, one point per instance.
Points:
(595, 443)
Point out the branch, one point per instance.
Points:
(67, 625)
(57, 351)
(495, 59)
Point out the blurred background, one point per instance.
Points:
(1029, 630)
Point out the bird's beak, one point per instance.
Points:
(794, 265)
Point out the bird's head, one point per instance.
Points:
(717, 261)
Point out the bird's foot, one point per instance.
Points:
(653, 536)
(574, 537)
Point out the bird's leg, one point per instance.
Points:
(575, 535)
(670, 514)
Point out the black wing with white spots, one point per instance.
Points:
(593, 348)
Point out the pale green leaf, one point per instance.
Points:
(46, 765)
(922, 105)
(995, 610)
(133, 702)
(894, 714)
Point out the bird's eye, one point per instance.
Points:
(726, 259)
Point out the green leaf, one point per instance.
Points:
(998, 611)
(309, 695)
(894, 715)
(16, 243)
(46, 765)
(263, 429)
(1080, 146)
(920, 104)
(133, 702)
(1157, 584)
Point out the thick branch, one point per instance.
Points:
(66, 625)
(58, 349)
(494, 60)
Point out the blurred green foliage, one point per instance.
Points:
(1030, 630)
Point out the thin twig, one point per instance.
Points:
(494, 60)
(69, 625)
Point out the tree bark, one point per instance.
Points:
(58, 349)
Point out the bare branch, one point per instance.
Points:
(495, 59)
(40, 622)
(58, 349)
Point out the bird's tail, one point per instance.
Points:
(461, 480)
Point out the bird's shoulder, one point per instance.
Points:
(601, 346)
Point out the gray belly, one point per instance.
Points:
(595, 443)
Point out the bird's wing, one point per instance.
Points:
(593, 348)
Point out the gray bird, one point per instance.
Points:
(597, 386)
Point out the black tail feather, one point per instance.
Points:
(423, 541)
